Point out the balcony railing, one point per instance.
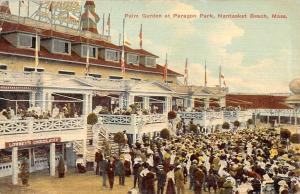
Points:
(13, 127)
(133, 119)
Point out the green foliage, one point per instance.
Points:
(236, 123)
(295, 138)
(250, 122)
(165, 133)
(193, 128)
(119, 138)
(285, 133)
(92, 119)
(172, 115)
(225, 125)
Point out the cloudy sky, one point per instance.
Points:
(257, 55)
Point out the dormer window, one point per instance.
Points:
(150, 61)
(27, 41)
(111, 55)
(61, 46)
(133, 59)
(93, 51)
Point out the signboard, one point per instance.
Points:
(32, 142)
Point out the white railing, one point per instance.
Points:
(13, 127)
(133, 119)
(191, 115)
(116, 119)
(150, 119)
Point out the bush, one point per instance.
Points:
(165, 133)
(193, 128)
(92, 119)
(119, 138)
(249, 121)
(225, 125)
(172, 115)
(236, 123)
(285, 133)
(295, 138)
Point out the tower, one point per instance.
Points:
(89, 18)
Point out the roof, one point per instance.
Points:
(198, 90)
(249, 101)
(7, 48)
(141, 52)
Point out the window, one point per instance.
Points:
(3, 67)
(60, 46)
(133, 59)
(111, 55)
(27, 41)
(136, 79)
(32, 69)
(92, 51)
(150, 61)
(62, 72)
(94, 75)
(115, 77)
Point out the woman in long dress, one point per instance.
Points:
(170, 182)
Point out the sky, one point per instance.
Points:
(256, 55)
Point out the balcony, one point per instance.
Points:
(68, 129)
(134, 124)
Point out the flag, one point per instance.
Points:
(73, 17)
(165, 71)
(222, 76)
(51, 7)
(186, 73)
(127, 42)
(123, 52)
(141, 36)
(108, 25)
(91, 16)
(224, 83)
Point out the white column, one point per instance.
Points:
(32, 98)
(29, 159)
(130, 100)
(84, 150)
(90, 103)
(146, 102)
(85, 108)
(14, 165)
(168, 101)
(191, 102)
(48, 101)
(206, 103)
(52, 159)
(185, 102)
(222, 102)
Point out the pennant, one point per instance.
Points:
(222, 76)
(141, 36)
(108, 23)
(165, 70)
(123, 62)
(51, 7)
(91, 16)
(224, 83)
(186, 73)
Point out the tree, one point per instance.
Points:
(119, 139)
(295, 138)
(92, 119)
(236, 123)
(249, 121)
(165, 133)
(171, 115)
(225, 125)
(193, 128)
(285, 133)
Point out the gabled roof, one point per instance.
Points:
(248, 101)
(7, 48)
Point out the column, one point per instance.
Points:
(130, 100)
(146, 102)
(268, 119)
(84, 150)
(85, 108)
(185, 102)
(32, 98)
(52, 159)
(29, 159)
(123, 100)
(191, 102)
(48, 98)
(222, 102)
(14, 165)
(90, 103)
(206, 103)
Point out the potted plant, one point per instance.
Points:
(165, 133)
(120, 140)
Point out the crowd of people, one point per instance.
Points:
(245, 161)
(64, 111)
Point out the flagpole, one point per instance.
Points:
(87, 49)
(36, 51)
(123, 54)
(186, 73)
(220, 73)
(19, 11)
(109, 24)
(141, 37)
(103, 24)
(205, 78)
(28, 9)
(166, 69)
